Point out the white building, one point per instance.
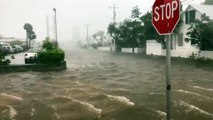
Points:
(180, 48)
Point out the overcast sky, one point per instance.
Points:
(70, 14)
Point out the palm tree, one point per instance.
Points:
(30, 34)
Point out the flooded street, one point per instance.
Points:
(107, 86)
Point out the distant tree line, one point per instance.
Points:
(134, 31)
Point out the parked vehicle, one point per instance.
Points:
(19, 48)
(4, 50)
(30, 57)
(15, 49)
(10, 49)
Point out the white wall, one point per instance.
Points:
(153, 48)
(185, 53)
(127, 50)
(139, 50)
(133, 50)
(207, 54)
(104, 48)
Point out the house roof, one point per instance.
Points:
(207, 9)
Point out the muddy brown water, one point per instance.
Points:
(107, 86)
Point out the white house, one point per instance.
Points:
(180, 48)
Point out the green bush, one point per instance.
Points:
(47, 44)
(1, 54)
(2, 60)
(53, 56)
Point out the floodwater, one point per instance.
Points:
(107, 86)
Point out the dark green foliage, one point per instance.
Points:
(53, 56)
(1, 54)
(135, 12)
(29, 33)
(32, 35)
(129, 32)
(114, 31)
(134, 32)
(2, 60)
(149, 31)
(47, 45)
(28, 27)
(200, 33)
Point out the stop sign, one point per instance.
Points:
(165, 15)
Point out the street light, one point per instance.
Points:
(88, 43)
(55, 28)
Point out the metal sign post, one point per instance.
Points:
(165, 17)
(168, 78)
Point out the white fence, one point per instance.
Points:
(207, 54)
(139, 50)
(185, 53)
(132, 50)
(153, 48)
(127, 50)
(104, 48)
(124, 50)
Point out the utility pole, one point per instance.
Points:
(77, 34)
(56, 37)
(114, 12)
(48, 35)
(87, 27)
(27, 40)
(114, 17)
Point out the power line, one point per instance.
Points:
(183, 1)
(188, 2)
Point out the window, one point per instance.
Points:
(190, 16)
(180, 39)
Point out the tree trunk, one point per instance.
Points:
(29, 44)
(26, 40)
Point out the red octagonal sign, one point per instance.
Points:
(165, 15)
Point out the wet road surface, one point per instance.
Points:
(107, 86)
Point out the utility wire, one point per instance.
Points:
(183, 1)
(188, 2)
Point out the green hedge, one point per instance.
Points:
(2, 60)
(53, 56)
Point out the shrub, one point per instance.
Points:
(52, 56)
(47, 44)
(2, 60)
(1, 54)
